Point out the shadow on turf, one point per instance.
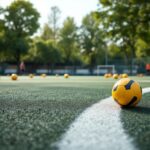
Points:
(139, 109)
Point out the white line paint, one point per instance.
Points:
(146, 90)
(98, 128)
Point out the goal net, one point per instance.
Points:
(102, 69)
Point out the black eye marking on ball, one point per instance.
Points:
(115, 88)
(132, 101)
(117, 101)
(128, 86)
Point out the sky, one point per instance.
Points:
(73, 8)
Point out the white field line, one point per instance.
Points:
(98, 128)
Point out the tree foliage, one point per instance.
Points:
(47, 33)
(20, 22)
(119, 29)
(68, 40)
(54, 18)
(46, 52)
(21, 18)
(43, 52)
(92, 41)
(126, 22)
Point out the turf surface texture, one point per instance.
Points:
(34, 113)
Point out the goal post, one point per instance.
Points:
(102, 69)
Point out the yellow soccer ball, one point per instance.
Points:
(124, 75)
(43, 75)
(31, 75)
(126, 92)
(14, 77)
(115, 76)
(66, 75)
(106, 75)
(110, 75)
(140, 75)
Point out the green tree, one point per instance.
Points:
(48, 54)
(125, 22)
(21, 21)
(54, 22)
(47, 33)
(43, 52)
(1, 30)
(92, 42)
(68, 40)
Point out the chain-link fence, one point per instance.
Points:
(136, 66)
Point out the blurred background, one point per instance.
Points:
(75, 37)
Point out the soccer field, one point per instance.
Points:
(35, 113)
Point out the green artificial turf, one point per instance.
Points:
(136, 122)
(33, 115)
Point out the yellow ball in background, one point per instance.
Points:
(66, 75)
(126, 92)
(109, 75)
(31, 75)
(106, 75)
(140, 75)
(115, 76)
(43, 75)
(14, 77)
(124, 75)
